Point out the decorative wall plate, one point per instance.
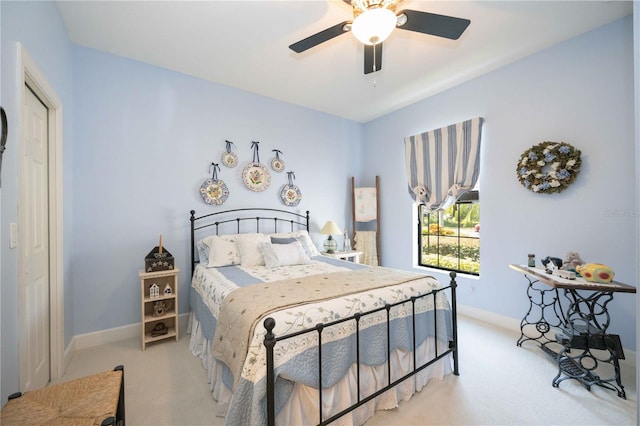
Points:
(277, 164)
(256, 177)
(229, 159)
(214, 191)
(290, 194)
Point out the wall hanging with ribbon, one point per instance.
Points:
(255, 175)
(229, 158)
(277, 164)
(290, 194)
(214, 190)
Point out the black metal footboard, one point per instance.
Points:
(271, 339)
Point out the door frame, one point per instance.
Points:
(30, 74)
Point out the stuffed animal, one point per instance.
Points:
(571, 261)
(596, 272)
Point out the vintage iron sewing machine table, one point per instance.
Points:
(577, 339)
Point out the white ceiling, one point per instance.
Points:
(244, 44)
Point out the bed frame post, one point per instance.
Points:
(454, 315)
(269, 343)
(193, 255)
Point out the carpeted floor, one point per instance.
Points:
(499, 384)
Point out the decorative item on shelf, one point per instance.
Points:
(255, 175)
(290, 194)
(346, 245)
(277, 164)
(596, 272)
(160, 308)
(548, 167)
(531, 262)
(551, 264)
(3, 135)
(154, 291)
(160, 329)
(229, 158)
(570, 275)
(214, 190)
(330, 228)
(167, 289)
(571, 261)
(158, 259)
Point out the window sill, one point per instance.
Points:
(443, 271)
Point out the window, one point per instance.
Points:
(450, 239)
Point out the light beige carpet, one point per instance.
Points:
(499, 384)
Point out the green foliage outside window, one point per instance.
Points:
(450, 239)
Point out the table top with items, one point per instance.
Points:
(577, 283)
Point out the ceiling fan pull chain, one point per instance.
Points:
(375, 67)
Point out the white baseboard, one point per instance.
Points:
(513, 324)
(97, 338)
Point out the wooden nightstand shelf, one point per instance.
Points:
(161, 312)
(352, 255)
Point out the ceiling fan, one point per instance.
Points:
(374, 20)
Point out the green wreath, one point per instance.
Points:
(548, 167)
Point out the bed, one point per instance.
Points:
(272, 319)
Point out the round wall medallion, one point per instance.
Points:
(256, 177)
(229, 159)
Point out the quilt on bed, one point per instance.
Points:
(245, 366)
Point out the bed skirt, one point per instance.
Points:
(301, 408)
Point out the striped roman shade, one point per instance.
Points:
(443, 164)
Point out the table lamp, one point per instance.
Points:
(330, 228)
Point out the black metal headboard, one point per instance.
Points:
(259, 216)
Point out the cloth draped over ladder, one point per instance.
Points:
(365, 241)
(443, 164)
(366, 205)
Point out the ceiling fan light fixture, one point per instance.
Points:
(374, 25)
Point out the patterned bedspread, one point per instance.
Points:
(294, 357)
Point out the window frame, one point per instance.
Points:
(470, 197)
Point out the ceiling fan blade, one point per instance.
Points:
(320, 37)
(433, 24)
(372, 58)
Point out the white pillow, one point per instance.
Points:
(204, 244)
(303, 237)
(250, 254)
(222, 253)
(283, 254)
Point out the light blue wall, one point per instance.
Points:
(39, 28)
(145, 138)
(138, 141)
(580, 92)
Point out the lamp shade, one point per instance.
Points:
(373, 26)
(330, 228)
